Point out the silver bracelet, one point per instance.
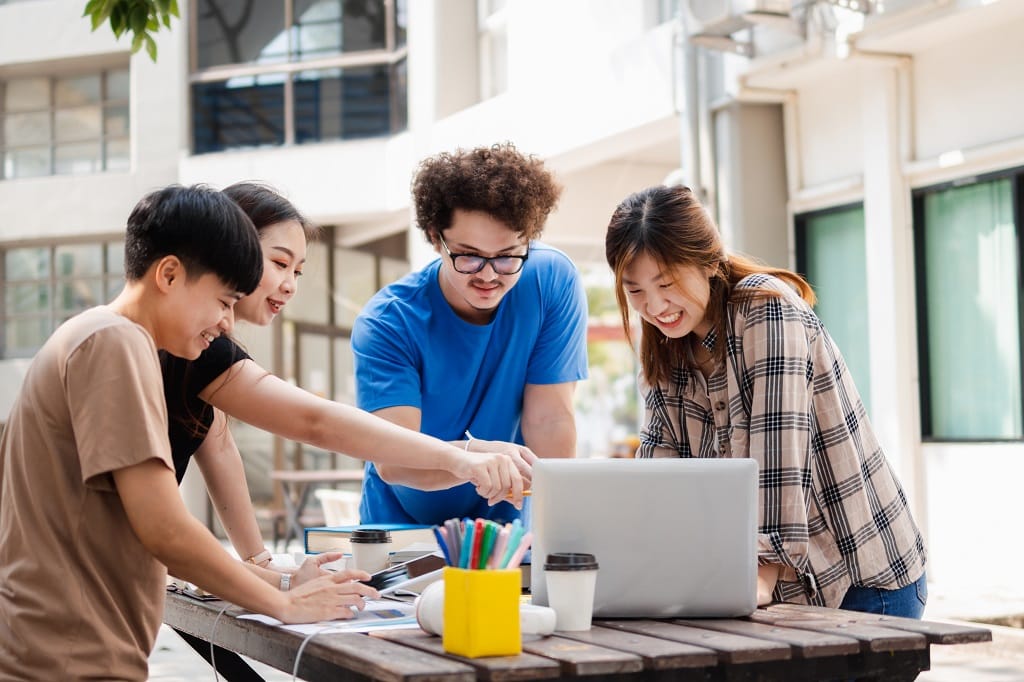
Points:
(286, 582)
(470, 438)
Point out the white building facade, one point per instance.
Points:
(880, 154)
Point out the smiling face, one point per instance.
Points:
(284, 254)
(197, 312)
(673, 301)
(475, 297)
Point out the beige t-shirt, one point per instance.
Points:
(80, 597)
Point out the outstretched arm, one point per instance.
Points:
(248, 392)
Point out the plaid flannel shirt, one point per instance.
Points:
(830, 509)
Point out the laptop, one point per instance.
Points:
(672, 537)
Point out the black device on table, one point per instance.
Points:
(405, 574)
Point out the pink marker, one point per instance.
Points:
(524, 544)
(499, 548)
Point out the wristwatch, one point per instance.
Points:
(286, 582)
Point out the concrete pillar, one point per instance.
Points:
(892, 332)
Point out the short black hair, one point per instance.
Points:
(202, 227)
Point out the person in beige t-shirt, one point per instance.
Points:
(90, 513)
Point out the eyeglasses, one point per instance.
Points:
(470, 264)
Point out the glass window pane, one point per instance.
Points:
(118, 155)
(27, 94)
(114, 287)
(115, 258)
(78, 260)
(237, 113)
(346, 104)
(27, 298)
(27, 264)
(837, 269)
(74, 159)
(79, 123)
(25, 334)
(401, 22)
(29, 162)
(364, 26)
(970, 252)
(115, 120)
(400, 95)
(73, 296)
(392, 270)
(22, 130)
(240, 31)
(318, 29)
(117, 85)
(344, 372)
(314, 295)
(355, 281)
(71, 92)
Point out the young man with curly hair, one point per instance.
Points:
(483, 346)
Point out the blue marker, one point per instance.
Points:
(467, 546)
(443, 544)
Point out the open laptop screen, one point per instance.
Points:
(672, 537)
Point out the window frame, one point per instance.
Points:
(391, 56)
(110, 283)
(918, 195)
(52, 111)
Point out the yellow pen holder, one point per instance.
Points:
(481, 612)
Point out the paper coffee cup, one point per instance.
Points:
(370, 549)
(571, 578)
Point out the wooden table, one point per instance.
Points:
(296, 486)
(782, 642)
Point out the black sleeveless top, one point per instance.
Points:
(188, 416)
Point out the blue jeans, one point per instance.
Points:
(907, 602)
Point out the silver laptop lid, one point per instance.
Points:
(673, 537)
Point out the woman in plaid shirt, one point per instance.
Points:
(736, 364)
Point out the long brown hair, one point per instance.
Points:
(673, 228)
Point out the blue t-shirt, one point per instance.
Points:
(411, 349)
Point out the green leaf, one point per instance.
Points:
(137, 42)
(139, 17)
(150, 46)
(174, 8)
(91, 7)
(153, 25)
(117, 20)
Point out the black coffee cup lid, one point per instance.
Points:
(370, 535)
(570, 561)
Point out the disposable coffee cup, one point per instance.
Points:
(571, 578)
(370, 549)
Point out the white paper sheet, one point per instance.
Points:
(378, 615)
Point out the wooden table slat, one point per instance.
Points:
(525, 666)
(872, 637)
(583, 658)
(806, 644)
(324, 654)
(936, 632)
(657, 654)
(731, 648)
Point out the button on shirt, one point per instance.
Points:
(831, 510)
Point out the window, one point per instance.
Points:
(329, 70)
(66, 125)
(831, 253)
(968, 274)
(492, 26)
(45, 285)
